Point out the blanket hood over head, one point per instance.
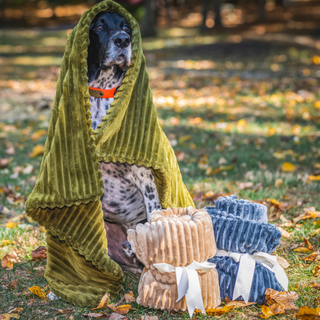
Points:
(66, 197)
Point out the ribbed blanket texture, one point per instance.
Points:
(66, 197)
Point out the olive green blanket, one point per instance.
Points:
(66, 197)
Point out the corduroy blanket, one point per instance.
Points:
(66, 197)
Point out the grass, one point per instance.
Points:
(234, 112)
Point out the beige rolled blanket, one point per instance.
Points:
(177, 237)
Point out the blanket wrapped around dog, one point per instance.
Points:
(66, 197)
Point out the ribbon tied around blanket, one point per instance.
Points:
(247, 264)
(188, 282)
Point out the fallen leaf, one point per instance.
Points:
(37, 150)
(11, 225)
(278, 183)
(306, 313)
(180, 156)
(7, 261)
(8, 316)
(116, 316)
(10, 151)
(104, 303)
(217, 311)
(28, 169)
(302, 250)
(4, 162)
(244, 185)
(314, 256)
(38, 292)
(146, 317)
(4, 243)
(203, 162)
(314, 178)
(38, 134)
(239, 304)
(310, 246)
(284, 233)
(124, 309)
(307, 215)
(316, 271)
(314, 233)
(129, 297)
(316, 285)
(95, 315)
(284, 298)
(39, 254)
(269, 311)
(283, 262)
(12, 284)
(288, 167)
(16, 310)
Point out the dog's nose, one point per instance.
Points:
(122, 40)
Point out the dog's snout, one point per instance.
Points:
(122, 40)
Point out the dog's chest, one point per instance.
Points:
(99, 109)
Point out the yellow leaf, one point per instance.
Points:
(242, 123)
(37, 150)
(273, 202)
(284, 233)
(217, 311)
(11, 225)
(38, 292)
(316, 59)
(104, 303)
(288, 167)
(271, 131)
(239, 304)
(279, 155)
(302, 250)
(124, 309)
(314, 256)
(4, 243)
(316, 271)
(196, 120)
(278, 183)
(306, 313)
(8, 316)
(314, 178)
(314, 233)
(307, 215)
(38, 134)
(317, 104)
(183, 139)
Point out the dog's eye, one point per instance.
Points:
(99, 27)
(126, 28)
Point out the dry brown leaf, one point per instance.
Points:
(124, 309)
(307, 243)
(284, 233)
(316, 285)
(283, 262)
(314, 256)
(8, 260)
(104, 303)
(12, 284)
(15, 310)
(38, 134)
(39, 254)
(306, 313)
(4, 162)
(146, 317)
(8, 316)
(10, 151)
(269, 311)
(285, 298)
(244, 185)
(129, 297)
(95, 315)
(239, 304)
(307, 215)
(316, 271)
(37, 150)
(116, 316)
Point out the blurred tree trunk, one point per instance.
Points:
(205, 4)
(262, 11)
(217, 17)
(149, 21)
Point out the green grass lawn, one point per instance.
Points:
(235, 113)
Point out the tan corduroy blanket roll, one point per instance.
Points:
(66, 197)
(176, 237)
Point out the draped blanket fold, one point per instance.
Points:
(66, 197)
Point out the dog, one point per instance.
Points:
(130, 194)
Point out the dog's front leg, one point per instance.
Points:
(144, 181)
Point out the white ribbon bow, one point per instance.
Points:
(188, 282)
(246, 271)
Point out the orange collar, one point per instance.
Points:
(102, 93)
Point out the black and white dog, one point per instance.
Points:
(130, 194)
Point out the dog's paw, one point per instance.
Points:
(51, 296)
(126, 247)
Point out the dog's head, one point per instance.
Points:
(110, 42)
